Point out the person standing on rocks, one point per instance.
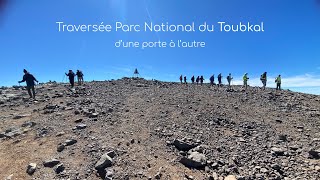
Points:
(180, 79)
(192, 79)
(71, 76)
(185, 79)
(278, 82)
(219, 80)
(229, 78)
(80, 77)
(263, 79)
(201, 80)
(29, 79)
(197, 80)
(212, 80)
(245, 80)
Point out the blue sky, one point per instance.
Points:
(290, 44)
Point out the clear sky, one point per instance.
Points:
(289, 45)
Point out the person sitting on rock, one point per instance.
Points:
(29, 79)
(71, 77)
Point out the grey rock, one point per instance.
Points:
(278, 151)
(60, 147)
(59, 168)
(2, 135)
(93, 115)
(104, 162)
(28, 124)
(194, 160)
(314, 154)
(20, 116)
(183, 146)
(276, 167)
(51, 163)
(31, 168)
(158, 175)
(81, 126)
(70, 142)
(111, 154)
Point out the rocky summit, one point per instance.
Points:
(138, 129)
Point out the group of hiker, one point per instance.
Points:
(71, 76)
(245, 78)
(30, 80)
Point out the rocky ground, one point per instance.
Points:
(138, 129)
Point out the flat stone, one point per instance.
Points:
(81, 126)
(278, 151)
(51, 163)
(183, 146)
(70, 142)
(20, 116)
(28, 124)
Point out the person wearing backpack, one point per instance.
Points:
(192, 79)
(80, 77)
(29, 79)
(197, 80)
(263, 79)
(245, 80)
(220, 80)
(229, 79)
(201, 80)
(278, 82)
(212, 80)
(71, 76)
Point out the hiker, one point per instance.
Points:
(185, 79)
(197, 80)
(71, 77)
(201, 80)
(245, 80)
(220, 80)
(192, 79)
(29, 79)
(229, 78)
(263, 79)
(80, 77)
(278, 82)
(212, 80)
(180, 79)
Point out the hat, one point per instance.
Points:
(25, 71)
